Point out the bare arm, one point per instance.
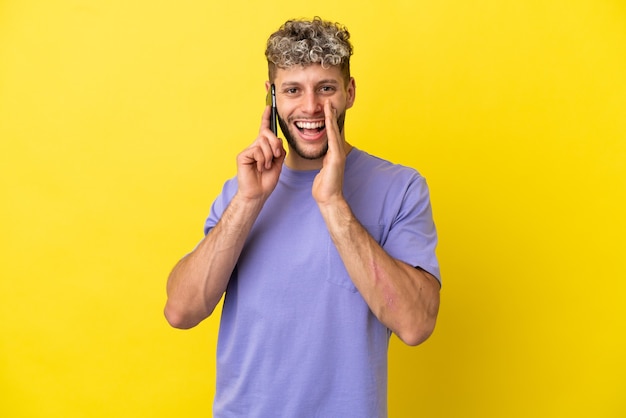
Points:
(403, 298)
(198, 281)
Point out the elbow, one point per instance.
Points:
(417, 328)
(185, 313)
(178, 318)
(419, 325)
(416, 335)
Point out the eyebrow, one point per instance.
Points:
(297, 83)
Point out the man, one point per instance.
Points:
(322, 252)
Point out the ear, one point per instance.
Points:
(267, 86)
(350, 93)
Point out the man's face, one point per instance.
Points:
(300, 96)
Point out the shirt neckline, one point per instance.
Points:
(307, 176)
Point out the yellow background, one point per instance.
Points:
(119, 121)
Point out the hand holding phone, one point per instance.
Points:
(270, 100)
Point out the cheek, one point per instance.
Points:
(283, 111)
(341, 106)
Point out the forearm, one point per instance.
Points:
(198, 281)
(402, 297)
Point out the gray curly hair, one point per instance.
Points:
(308, 42)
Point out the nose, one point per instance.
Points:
(311, 103)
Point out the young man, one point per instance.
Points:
(322, 252)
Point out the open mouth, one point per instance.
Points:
(310, 127)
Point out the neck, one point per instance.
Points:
(295, 162)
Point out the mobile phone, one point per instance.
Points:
(270, 100)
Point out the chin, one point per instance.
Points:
(311, 151)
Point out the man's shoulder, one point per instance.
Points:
(362, 163)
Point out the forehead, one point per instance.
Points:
(308, 75)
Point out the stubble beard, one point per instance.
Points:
(295, 147)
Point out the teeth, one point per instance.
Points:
(310, 125)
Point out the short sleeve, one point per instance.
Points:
(220, 204)
(412, 236)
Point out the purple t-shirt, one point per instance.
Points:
(296, 338)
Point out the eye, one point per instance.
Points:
(327, 89)
(291, 91)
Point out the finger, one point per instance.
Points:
(256, 159)
(265, 130)
(265, 120)
(267, 152)
(332, 129)
(259, 153)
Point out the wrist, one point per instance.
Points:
(335, 211)
(248, 203)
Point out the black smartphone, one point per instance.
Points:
(270, 100)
